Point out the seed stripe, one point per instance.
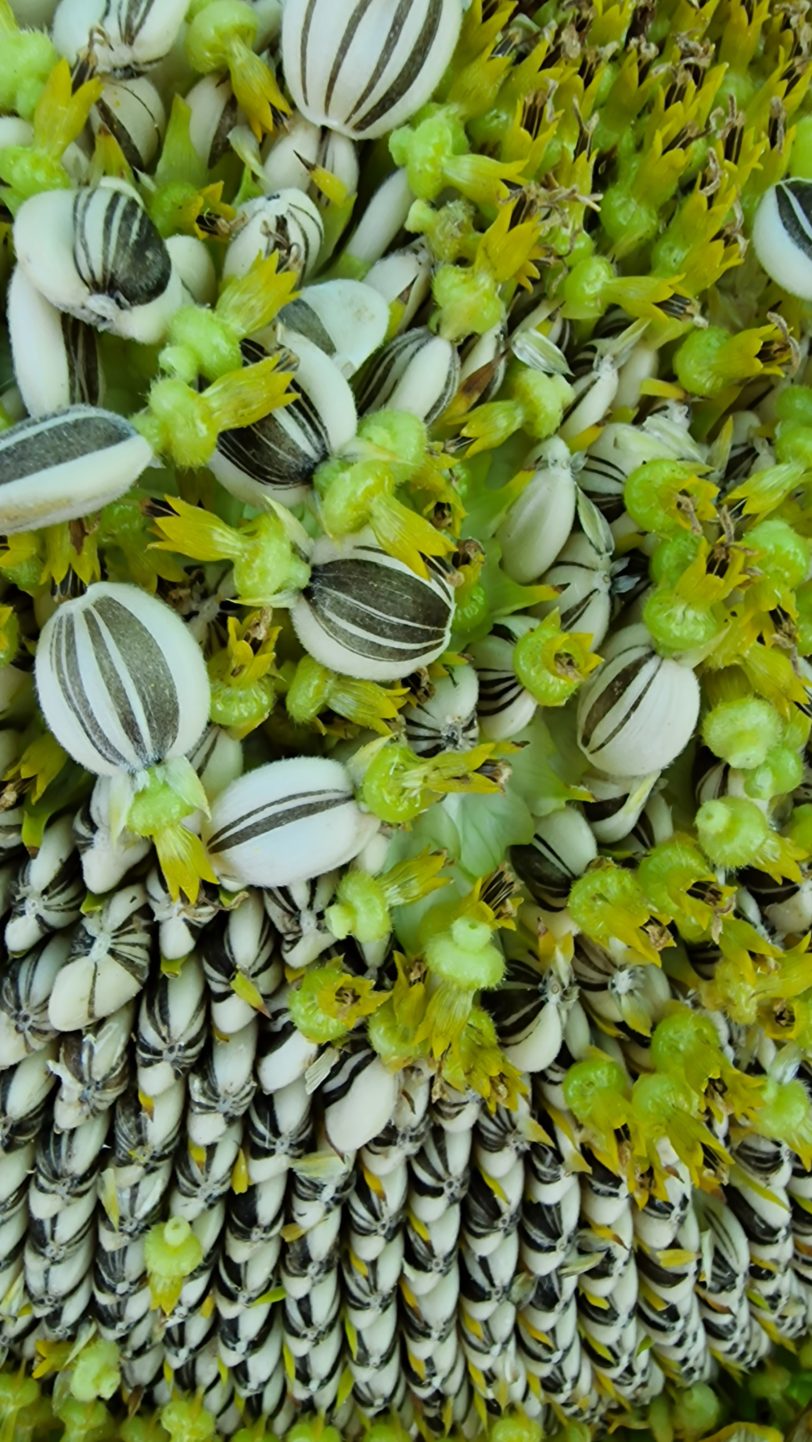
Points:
(795, 209)
(409, 73)
(285, 811)
(65, 661)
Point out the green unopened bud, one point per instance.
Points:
(781, 553)
(172, 1252)
(187, 1420)
(583, 290)
(551, 664)
(697, 1410)
(96, 1372)
(742, 732)
(329, 1002)
(465, 955)
(780, 772)
(469, 301)
(731, 830)
(360, 909)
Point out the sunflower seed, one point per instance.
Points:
(269, 827)
(56, 359)
(345, 319)
(287, 224)
(540, 521)
(782, 235)
(121, 682)
(108, 963)
(639, 711)
(96, 254)
(276, 456)
(117, 36)
(363, 68)
(172, 1028)
(365, 614)
(59, 467)
(417, 372)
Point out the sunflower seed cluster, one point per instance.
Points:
(405, 713)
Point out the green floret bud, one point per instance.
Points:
(780, 772)
(743, 732)
(469, 301)
(675, 625)
(584, 288)
(466, 955)
(96, 1372)
(187, 1420)
(515, 1428)
(361, 908)
(781, 554)
(697, 1411)
(731, 830)
(172, 1252)
(329, 1002)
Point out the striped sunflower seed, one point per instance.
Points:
(108, 963)
(132, 111)
(639, 711)
(117, 36)
(417, 372)
(540, 521)
(121, 682)
(287, 224)
(367, 615)
(63, 466)
(56, 358)
(286, 822)
(364, 66)
(96, 254)
(782, 235)
(300, 149)
(447, 719)
(346, 319)
(276, 456)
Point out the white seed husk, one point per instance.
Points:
(363, 69)
(117, 36)
(287, 224)
(367, 615)
(275, 457)
(56, 360)
(346, 319)
(417, 372)
(121, 682)
(63, 466)
(96, 254)
(540, 521)
(286, 822)
(782, 235)
(133, 112)
(639, 711)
